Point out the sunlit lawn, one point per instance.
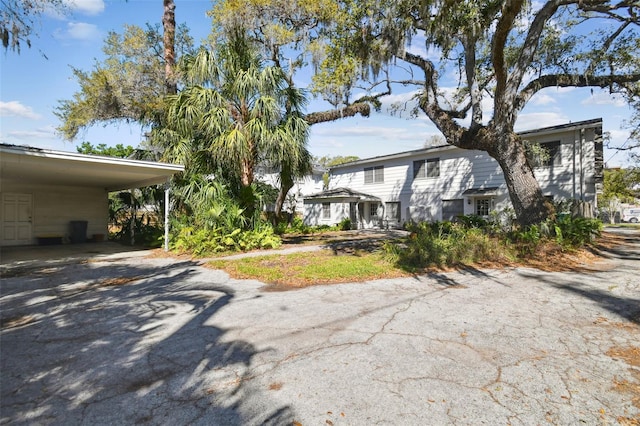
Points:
(310, 268)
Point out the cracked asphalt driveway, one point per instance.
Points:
(131, 340)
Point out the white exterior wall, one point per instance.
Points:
(312, 212)
(53, 207)
(574, 177)
(310, 184)
(421, 198)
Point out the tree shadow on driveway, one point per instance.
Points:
(121, 343)
(575, 283)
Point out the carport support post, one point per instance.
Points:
(132, 225)
(166, 216)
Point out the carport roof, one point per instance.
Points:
(43, 166)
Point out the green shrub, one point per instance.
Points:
(202, 242)
(345, 224)
(526, 240)
(576, 232)
(474, 240)
(445, 244)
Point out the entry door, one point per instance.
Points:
(16, 219)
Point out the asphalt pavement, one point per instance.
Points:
(148, 340)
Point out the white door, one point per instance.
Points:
(16, 219)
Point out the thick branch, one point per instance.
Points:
(570, 80)
(472, 82)
(505, 24)
(527, 52)
(362, 108)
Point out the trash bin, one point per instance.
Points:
(78, 231)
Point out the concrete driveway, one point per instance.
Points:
(131, 340)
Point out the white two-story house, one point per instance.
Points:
(442, 182)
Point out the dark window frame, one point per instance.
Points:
(482, 204)
(426, 169)
(373, 174)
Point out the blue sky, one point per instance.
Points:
(32, 85)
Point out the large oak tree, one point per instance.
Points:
(505, 51)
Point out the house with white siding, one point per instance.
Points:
(309, 184)
(442, 182)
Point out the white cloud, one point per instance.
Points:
(542, 99)
(16, 109)
(538, 120)
(78, 31)
(604, 98)
(87, 7)
(618, 137)
(40, 133)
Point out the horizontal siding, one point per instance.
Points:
(465, 169)
(54, 207)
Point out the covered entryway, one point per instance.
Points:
(363, 210)
(44, 191)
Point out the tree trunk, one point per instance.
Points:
(169, 25)
(524, 190)
(286, 183)
(246, 173)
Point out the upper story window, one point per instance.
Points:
(429, 168)
(545, 154)
(374, 174)
(554, 157)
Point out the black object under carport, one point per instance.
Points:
(78, 231)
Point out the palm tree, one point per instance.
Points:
(235, 113)
(169, 40)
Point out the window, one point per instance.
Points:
(433, 167)
(554, 157)
(374, 174)
(545, 154)
(373, 210)
(483, 206)
(451, 209)
(326, 210)
(392, 211)
(426, 168)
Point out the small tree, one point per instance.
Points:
(620, 186)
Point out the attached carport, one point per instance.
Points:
(43, 191)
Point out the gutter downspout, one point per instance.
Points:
(134, 213)
(581, 164)
(575, 136)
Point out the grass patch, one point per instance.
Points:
(622, 225)
(305, 269)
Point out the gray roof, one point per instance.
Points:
(341, 193)
(481, 191)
